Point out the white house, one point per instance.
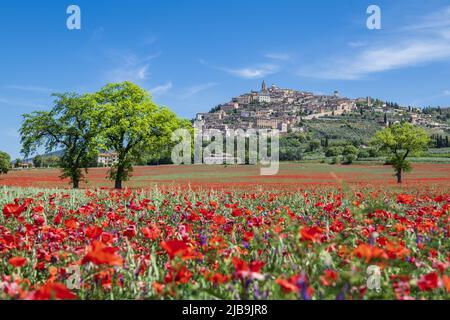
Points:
(107, 159)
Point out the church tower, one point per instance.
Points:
(264, 87)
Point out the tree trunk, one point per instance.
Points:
(399, 176)
(75, 179)
(119, 175)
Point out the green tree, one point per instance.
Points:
(333, 151)
(350, 150)
(349, 158)
(400, 141)
(68, 126)
(313, 145)
(38, 161)
(363, 154)
(17, 162)
(52, 161)
(132, 126)
(5, 162)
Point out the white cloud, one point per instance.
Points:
(434, 21)
(257, 72)
(278, 56)
(133, 68)
(198, 88)
(357, 44)
(422, 43)
(162, 89)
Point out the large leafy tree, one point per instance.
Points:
(132, 126)
(400, 141)
(68, 127)
(5, 162)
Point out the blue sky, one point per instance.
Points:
(193, 55)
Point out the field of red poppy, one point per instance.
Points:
(291, 176)
(323, 243)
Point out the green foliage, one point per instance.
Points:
(350, 150)
(400, 141)
(313, 145)
(38, 161)
(333, 151)
(68, 126)
(363, 154)
(17, 163)
(5, 162)
(336, 160)
(349, 158)
(132, 125)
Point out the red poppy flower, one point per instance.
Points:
(446, 282)
(71, 223)
(17, 262)
(93, 232)
(369, 252)
(313, 234)
(14, 209)
(182, 276)
(98, 253)
(151, 233)
(175, 248)
(248, 236)
(405, 199)
(218, 278)
(298, 284)
(329, 278)
(251, 270)
(287, 285)
(428, 282)
(50, 291)
(130, 232)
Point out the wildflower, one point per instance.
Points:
(428, 282)
(176, 248)
(99, 254)
(17, 262)
(313, 234)
(50, 291)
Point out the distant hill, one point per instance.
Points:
(321, 116)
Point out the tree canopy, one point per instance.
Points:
(400, 141)
(132, 125)
(5, 162)
(68, 126)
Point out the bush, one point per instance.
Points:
(363, 154)
(336, 160)
(373, 153)
(350, 150)
(349, 158)
(333, 152)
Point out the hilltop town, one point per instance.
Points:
(288, 110)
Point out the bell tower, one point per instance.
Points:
(264, 86)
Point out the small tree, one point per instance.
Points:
(132, 125)
(400, 141)
(68, 126)
(333, 151)
(17, 163)
(38, 161)
(350, 150)
(5, 162)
